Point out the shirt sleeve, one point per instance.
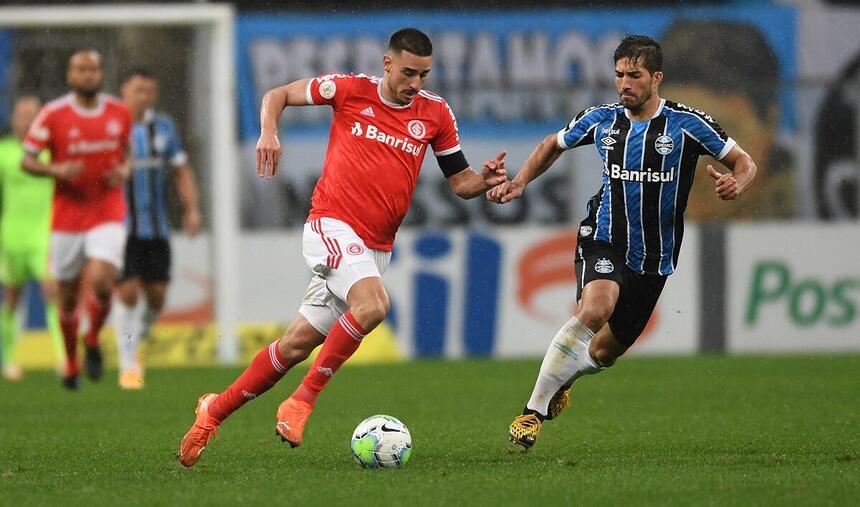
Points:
(329, 89)
(39, 136)
(710, 136)
(175, 153)
(580, 131)
(447, 138)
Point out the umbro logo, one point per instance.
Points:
(607, 143)
(368, 111)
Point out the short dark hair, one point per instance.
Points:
(635, 47)
(411, 39)
(138, 72)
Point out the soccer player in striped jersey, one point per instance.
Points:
(630, 241)
(25, 228)
(158, 158)
(380, 133)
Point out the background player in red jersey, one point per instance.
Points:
(88, 135)
(380, 132)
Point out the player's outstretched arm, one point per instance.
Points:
(541, 158)
(274, 102)
(731, 185)
(64, 170)
(468, 184)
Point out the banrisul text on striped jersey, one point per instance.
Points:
(648, 175)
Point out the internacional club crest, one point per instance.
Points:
(417, 129)
(113, 128)
(354, 249)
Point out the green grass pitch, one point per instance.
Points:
(658, 431)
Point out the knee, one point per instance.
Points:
(595, 313)
(103, 289)
(370, 311)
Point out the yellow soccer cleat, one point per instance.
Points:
(13, 372)
(524, 430)
(292, 416)
(560, 401)
(131, 380)
(194, 442)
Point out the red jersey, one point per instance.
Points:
(99, 138)
(374, 154)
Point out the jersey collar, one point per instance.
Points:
(82, 111)
(656, 113)
(388, 102)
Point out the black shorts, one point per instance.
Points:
(147, 259)
(598, 260)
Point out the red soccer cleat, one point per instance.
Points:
(194, 442)
(292, 416)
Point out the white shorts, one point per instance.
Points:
(71, 250)
(338, 259)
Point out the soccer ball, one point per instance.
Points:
(381, 441)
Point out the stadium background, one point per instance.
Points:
(470, 279)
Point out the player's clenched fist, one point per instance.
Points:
(726, 184)
(268, 154)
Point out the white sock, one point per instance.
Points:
(566, 359)
(127, 334)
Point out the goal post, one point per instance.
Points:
(221, 150)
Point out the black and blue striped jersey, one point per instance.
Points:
(157, 149)
(648, 169)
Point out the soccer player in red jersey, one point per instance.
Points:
(380, 132)
(88, 136)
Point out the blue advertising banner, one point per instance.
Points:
(512, 72)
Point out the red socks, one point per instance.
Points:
(265, 370)
(69, 325)
(340, 344)
(98, 311)
(268, 367)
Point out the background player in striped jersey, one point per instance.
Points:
(158, 157)
(380, 132)
(87, 134)
(629, 242)
(25, 228)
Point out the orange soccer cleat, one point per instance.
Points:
(292, 416)
(194, 442)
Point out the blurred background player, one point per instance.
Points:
(25, 222)
(629, 243)
(371, 168)
(88, 136)
(158, 156)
